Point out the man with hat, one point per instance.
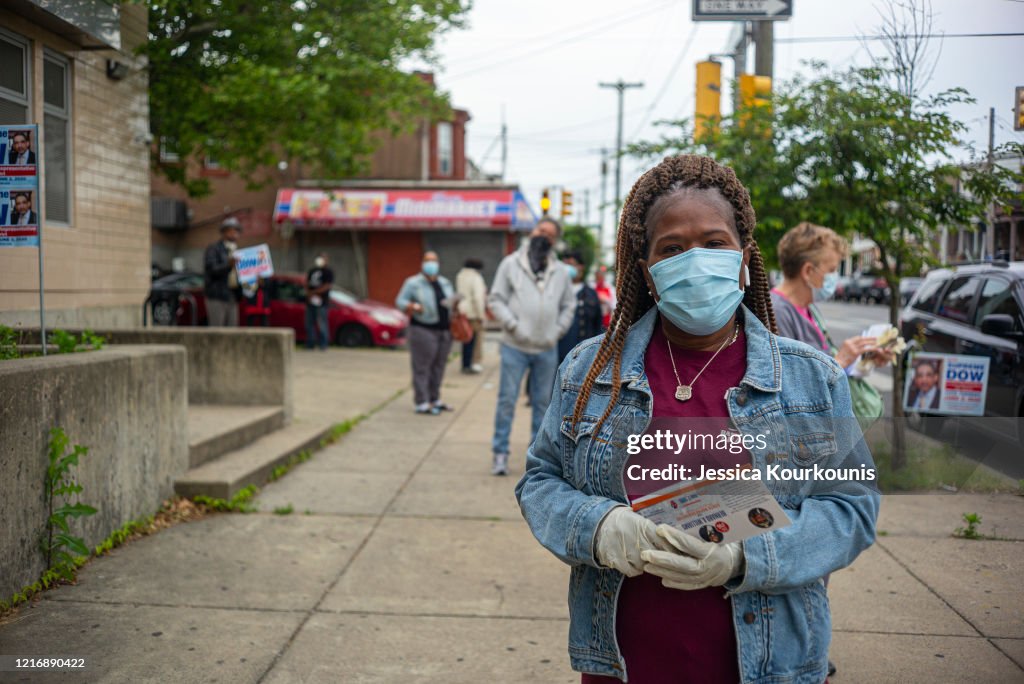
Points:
(221, 279)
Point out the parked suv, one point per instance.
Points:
(976, 310)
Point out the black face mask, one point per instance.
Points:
(538, 252)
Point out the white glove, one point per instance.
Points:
(621, 538)
(695, 563)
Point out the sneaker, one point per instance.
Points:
(500, 465)
(423, 408)
(477, 368)
(441, 406)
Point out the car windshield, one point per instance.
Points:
(343, 296)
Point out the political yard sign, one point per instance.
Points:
(946, 384)
(19, 184)
(253, 263)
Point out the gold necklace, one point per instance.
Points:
(684, 392)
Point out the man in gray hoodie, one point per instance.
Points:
(532, 298)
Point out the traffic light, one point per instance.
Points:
(755, 92)
(1018, 110)
(545, 202)
(566, 203)
(709, 98)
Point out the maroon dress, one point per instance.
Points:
(670, 636)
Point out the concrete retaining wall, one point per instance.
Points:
(244, 366)
(128, 404)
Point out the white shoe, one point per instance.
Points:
(500, 464)
(477, 368)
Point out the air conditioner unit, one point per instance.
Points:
(168, 214)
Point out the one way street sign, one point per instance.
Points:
(742, 10)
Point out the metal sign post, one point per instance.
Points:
(21, 211)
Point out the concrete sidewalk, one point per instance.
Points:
(404, 560)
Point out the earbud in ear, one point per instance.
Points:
(746, 276)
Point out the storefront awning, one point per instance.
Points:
(404, 209)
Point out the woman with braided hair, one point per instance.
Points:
(692, 338)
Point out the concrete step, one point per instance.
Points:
(223, 477)
(214, 430)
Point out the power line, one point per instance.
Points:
(846, 39)
(668, 81)
(565, 41)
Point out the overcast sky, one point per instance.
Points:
(540, 62)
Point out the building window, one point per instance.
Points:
(169, 150)
(445, 152)
(57, 136)
(14, 78)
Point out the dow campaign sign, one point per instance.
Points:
(947, 384)
(253, 263)
(19, 186)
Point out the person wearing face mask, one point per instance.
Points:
(532, 298)
(809, 256)
(220, 278)
(691, 337)
(427, 298)
(586, 321)
(318, 286)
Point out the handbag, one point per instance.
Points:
(867, 402)
(461, 328)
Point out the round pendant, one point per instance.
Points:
(683, 392)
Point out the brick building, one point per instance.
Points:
(68, 65)
(370, 255)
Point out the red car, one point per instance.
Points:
(352, 322)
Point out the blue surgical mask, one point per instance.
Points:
(572, 272)
(827, 289)
(431, 268)
(699, 290)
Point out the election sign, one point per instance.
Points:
(946, 384)
(253, 263)
(19, 184)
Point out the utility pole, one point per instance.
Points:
(620, 86)
(764, 48)
(586, 207)
(990, 214)
(601, 237)
(504, 144)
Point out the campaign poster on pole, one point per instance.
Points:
(253, 263)
(946, 384)
(19, 185)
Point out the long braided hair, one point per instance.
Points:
(685, 174)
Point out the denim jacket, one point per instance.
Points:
(417, 288)
(799, 400)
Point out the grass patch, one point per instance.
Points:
(239, 503)
(284, 510)
(933, 468)
(295, 459)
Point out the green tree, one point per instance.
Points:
(307, 81)
(848, 150)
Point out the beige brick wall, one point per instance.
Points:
(96, 266)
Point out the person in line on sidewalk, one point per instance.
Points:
(220, 277)
(472, 291)
(586, 322)
(427, 298)
(809, 256)
(533, 301)
(319, 281)
(650, 602)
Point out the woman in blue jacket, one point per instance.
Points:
(691, 338)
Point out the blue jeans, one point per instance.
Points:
(316, 317)
(514, 364)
